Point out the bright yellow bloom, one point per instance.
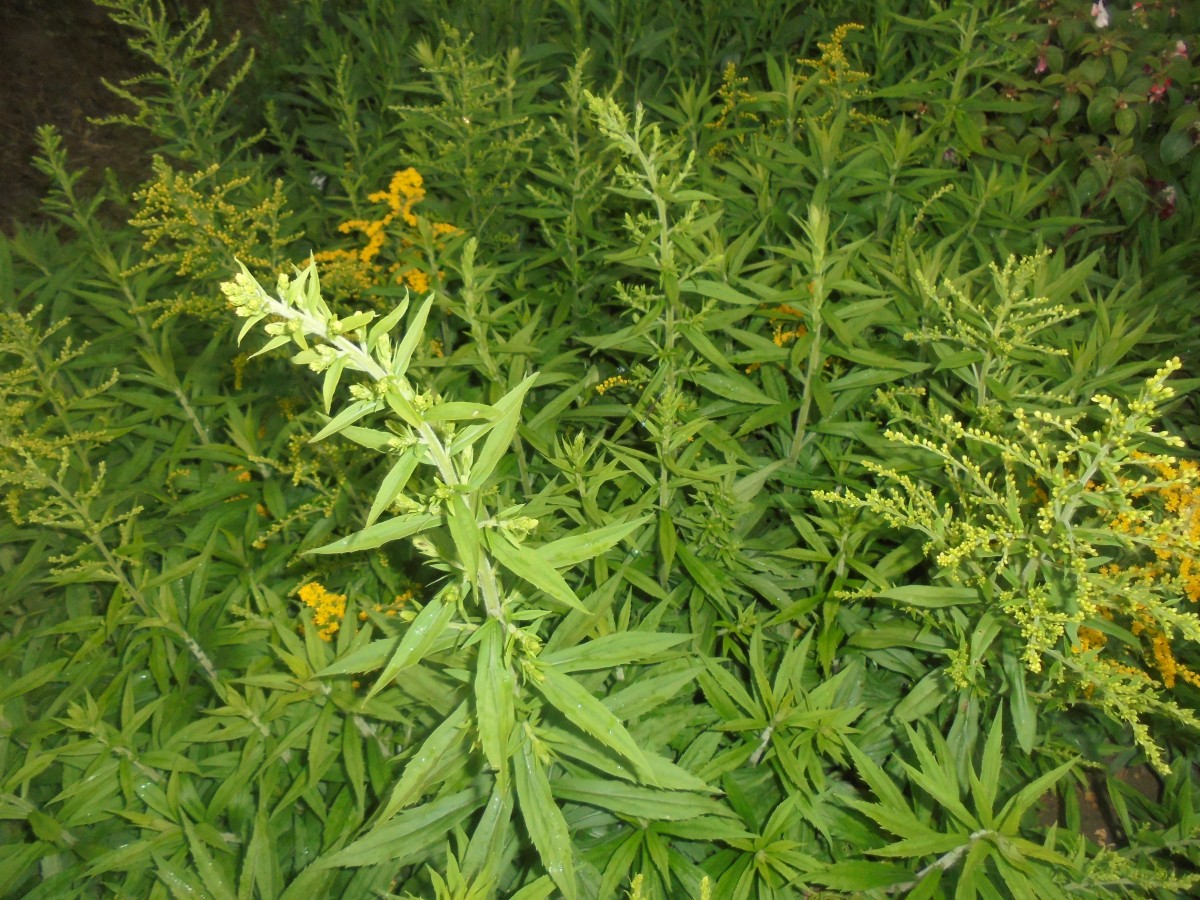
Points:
(328, 608)
(352, 272)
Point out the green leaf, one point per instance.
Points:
(544, 820)
(864, 357)
(347, 416)
(985, 785)
(612, 650)
(421, 765)
(454, 412)
(32, 680)
(420, 637)
(393, 483)
(926, 696)
(926, 845)
(464, 530)
(527, 565)
(718, 291)
(386, 324)
(260, 866)
(277, 341)
(642, 802)
(576, 548)
(416, 331)
(958, 360)
(858, 876)
(1126, 120)
(930, 597)
(1010, 816)
(332, 376)
(940, 785)
(535, 890)
(212, 876)
(705, 347)
(732, 386)
(877, 780)
(380, 533)
(668, 540)
(493, 831)
(406, 839)
(367, 658)
(495, 684)
(591, 716)
(1023, 716)
(508, 414)
(1175, 146)
(704, 575)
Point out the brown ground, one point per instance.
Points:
(53, 54)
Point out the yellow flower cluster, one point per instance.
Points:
(1160, 648)
(836, 74)
(328, 608)
(833, 67)
(1182, 500)
(351, 272)
(733, 94)
(1178, 537)
(1172, 532)
(195, 222)
(781, 335)
(609, 383)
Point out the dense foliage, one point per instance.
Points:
(724, 450)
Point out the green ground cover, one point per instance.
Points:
(595, 449)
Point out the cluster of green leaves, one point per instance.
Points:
(659, 626)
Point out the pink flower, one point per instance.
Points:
(1181, 50)
(1100, 14)
(1158, 91)
(1042, 64)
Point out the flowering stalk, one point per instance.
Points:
(299, 316)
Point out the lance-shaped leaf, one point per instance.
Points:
(386, 324)
(381, 533)
(494, 686)
(495, 829)
(210, 873)
(544, 820)
(419, 768)
(420, 637)
(641, 802)
(613, 650)
(733, 386)
(929, 596)
(464, 530)
(592, 717)
(345, 418)
(526, 564)
(499, 439)
(332, 376)
(579, 547)
(270, 345)
(409, 836)
(705, 347)
(416, 330)
(456, 411)
(393, 483)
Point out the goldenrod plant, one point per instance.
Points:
(589, 450)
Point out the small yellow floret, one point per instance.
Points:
(328, 608)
